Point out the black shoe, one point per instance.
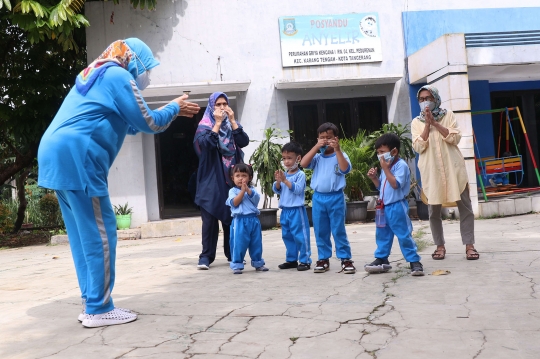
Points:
(378, 266)
(322, 266)
(347, 266)
(288, 265)
(303, 266)
(417, 269)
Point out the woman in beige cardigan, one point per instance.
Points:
(435, 136)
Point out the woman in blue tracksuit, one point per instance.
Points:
(78, 149)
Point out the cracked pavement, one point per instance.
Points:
(483, 309)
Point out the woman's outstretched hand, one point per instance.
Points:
(187, 109)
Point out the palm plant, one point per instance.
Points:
(360, 152)
(266, 160)
(402, 131)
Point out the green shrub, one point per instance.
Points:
(6, 224)
(49, 209)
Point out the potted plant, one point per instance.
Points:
(123, 216)
(265, 161)
(360, 152)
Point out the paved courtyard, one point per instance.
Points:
(483, 309)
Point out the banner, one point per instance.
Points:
(331, 39)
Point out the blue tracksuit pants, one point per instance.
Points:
(91, 228)
(295, 233)
(399, 224)
(246, 234)
(329, 217)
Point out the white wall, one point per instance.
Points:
(127, 181)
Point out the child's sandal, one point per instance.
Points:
(472, 256)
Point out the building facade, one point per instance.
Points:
(297, 64)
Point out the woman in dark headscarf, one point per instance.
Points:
(217, 142)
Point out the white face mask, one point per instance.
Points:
(293, 167)
(143, 80)
(387, 157)
(428, 104)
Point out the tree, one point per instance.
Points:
(53, 19)
(34, 80)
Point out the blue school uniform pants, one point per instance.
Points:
(91, 228)
(329, 217)
(295, 233)
(246, 235)
(399, 224)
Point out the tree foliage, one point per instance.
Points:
(53, 19)
(34, 79)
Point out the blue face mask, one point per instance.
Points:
(322, 150)
(387, 157)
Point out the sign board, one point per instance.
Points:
(330, 39)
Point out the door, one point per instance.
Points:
(349, 115)
(176, 168)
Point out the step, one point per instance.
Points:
(124, 234)
(171, 227)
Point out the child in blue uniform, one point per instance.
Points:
(290, 185)
(78, 149)
(245, 228)
(394, 185)
(330, 165)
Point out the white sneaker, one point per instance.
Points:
(203, 266)
(115, 316)
(82, 315)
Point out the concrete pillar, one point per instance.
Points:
(443, 64)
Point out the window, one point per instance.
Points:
(349, 115)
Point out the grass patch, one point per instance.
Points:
(421, 243)
(293, 339)
(401, 272)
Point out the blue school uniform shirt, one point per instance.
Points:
(327, 176)
(401, 172)
(247, 206)
(80, 145)
(293, 197)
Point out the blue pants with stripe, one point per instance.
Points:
(295, 233)
(91, 228)
(246, 234)
(329, 217)
(399, 224)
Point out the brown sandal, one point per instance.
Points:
(437, 254)
(472, 256)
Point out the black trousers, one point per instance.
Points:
(210, 233)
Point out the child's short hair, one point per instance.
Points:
(293, 147)
(391, 140)
(328, 126)
(242, 167)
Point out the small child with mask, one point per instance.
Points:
(290, 186)
(393, 184)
